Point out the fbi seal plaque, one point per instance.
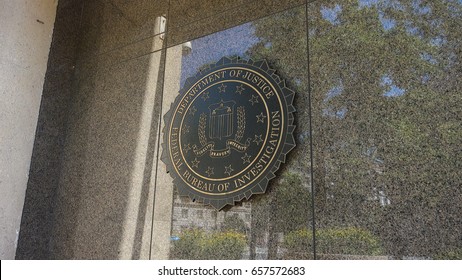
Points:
(228, 131)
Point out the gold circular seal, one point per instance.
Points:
(228, 131)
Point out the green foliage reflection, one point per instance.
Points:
(197, 245)
(332, 243)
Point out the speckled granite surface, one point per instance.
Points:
(385, 86)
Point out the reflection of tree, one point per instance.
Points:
(386, 95)
(234, 223)
(194, 244)
(287, 203)
(286, 208)
(290, 200)
(332, 243)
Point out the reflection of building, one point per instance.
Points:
(188, 214)
(380, 196)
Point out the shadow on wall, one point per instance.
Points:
(104, 152)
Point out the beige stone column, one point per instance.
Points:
(163, 203)
(26, 28)
(147, 116)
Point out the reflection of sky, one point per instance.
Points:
(332, 13)
(209, 49)
(367, 3)
(339, 114)
(390, 89)
(238, 40)
(387, 23)
(419, 8)
(335, 91)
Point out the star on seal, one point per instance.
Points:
(258, 139)
(186, 148)
(261, 118)
(195, 163)
(192, 110)
(239, 89)
(246, 158)
(205, 96)
(209, 171)
(222, 88)
(228, 170)
(253, 100)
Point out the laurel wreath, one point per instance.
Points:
(201, 131)
(240, 123)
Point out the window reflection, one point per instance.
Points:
(385, 94)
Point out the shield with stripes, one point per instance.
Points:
(221, 120)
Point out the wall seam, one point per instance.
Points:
(163, 62)
(311, 130)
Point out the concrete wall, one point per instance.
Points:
(45, 166)
(25, 36)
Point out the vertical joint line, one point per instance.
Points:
(163, 64)
(313, 194)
